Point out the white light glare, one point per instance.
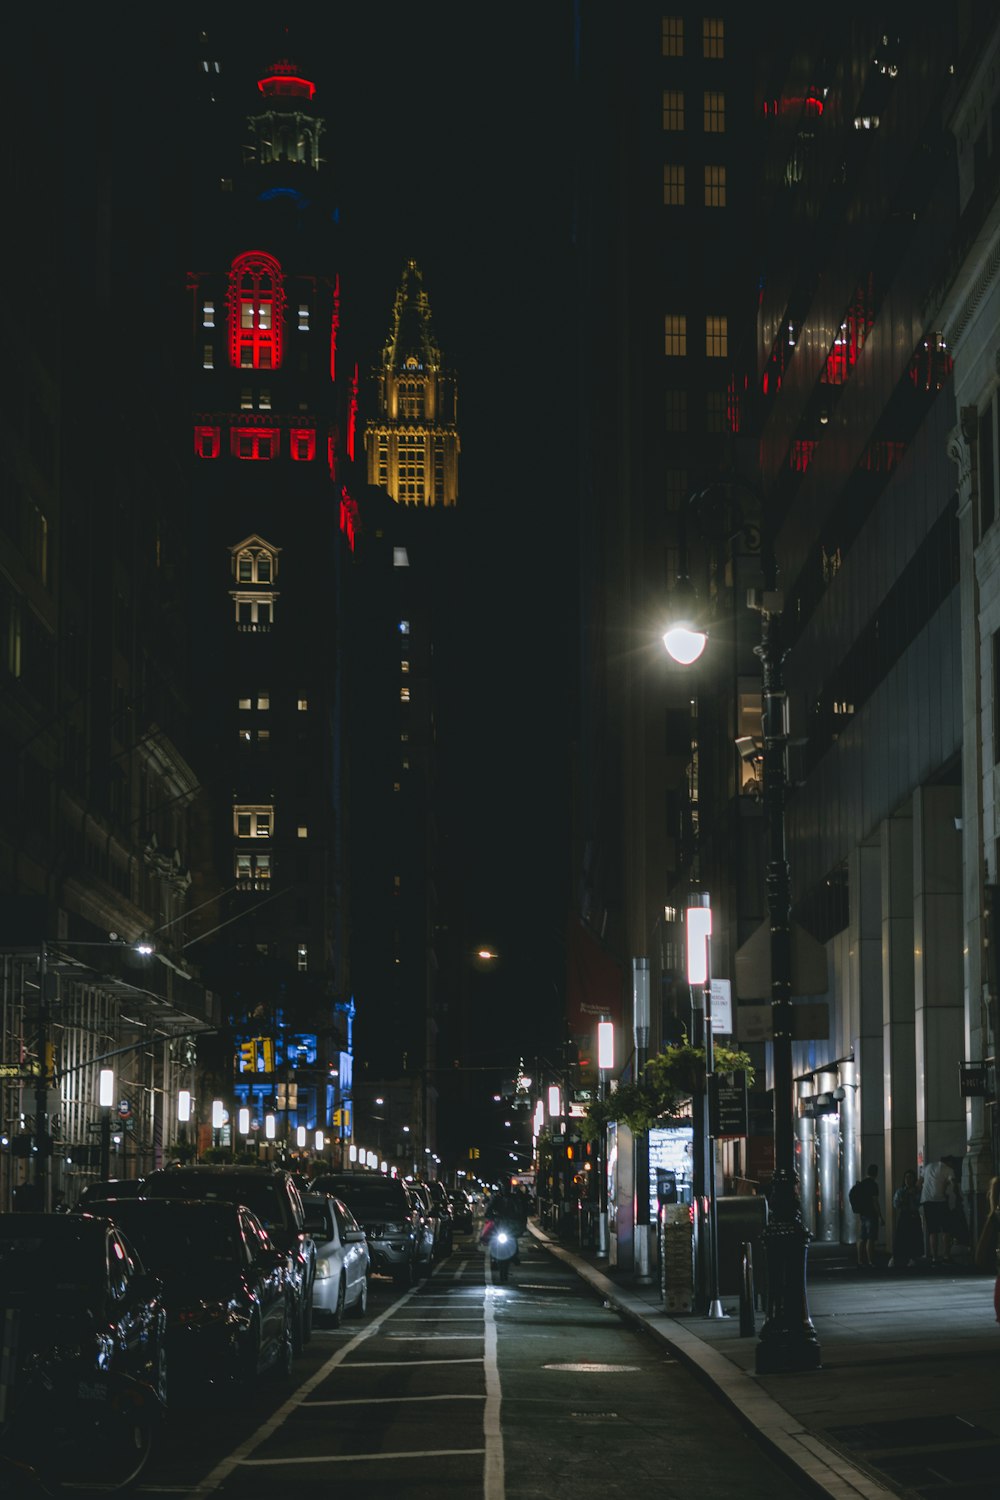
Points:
(243, 1121)
(183, 1105)
(106, 1088)
(605, 1044)
(218, 1114)
(699, 930)
(684, 644)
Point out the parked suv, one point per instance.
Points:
(446, 1216)
(268, 1192)
(392, 1224)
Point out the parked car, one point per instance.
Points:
(446, 1217)
(230, 1312)
(462, 1210)
(342, 1258)
(270, 1194)
(112, 1187)
(84, 1369)
(392, 1222)
(76, 1284)
(420, 1193)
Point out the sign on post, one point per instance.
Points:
(728, 1113)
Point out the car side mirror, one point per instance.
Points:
(355, 1237)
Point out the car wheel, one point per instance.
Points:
(286, 1348)
(361, 1305)
(337, 1316)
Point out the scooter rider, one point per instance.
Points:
(504, 1210)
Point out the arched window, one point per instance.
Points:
(256, 312)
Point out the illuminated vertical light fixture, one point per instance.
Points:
(555, 1102)
(605, 1064)
(106, 1088)
(539, 1120)
(105, 1098)
(321, 1142)
(698, 926)
(300, 1135)
(183, 1106)
(218, 1114)
(243, 1121)
(270, 1127)
(352, 1153)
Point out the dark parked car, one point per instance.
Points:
(391, 1221)
(230, 1312)
(271, 1195)
(462, 1211)
(446, 1217)
(84, 1366)
(112, 1187)
(428, 1210)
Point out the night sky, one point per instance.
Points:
(449, 137)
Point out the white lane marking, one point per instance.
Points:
(390, 1400)
(493, 1470)
(427, 1338)
(240, 1454)
(353, 1458)
(407, 1364)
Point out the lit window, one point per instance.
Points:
(254, 442)
(673, 36)
(713, 37)
(302, 441)
(254, 614)
(302, 704)
(264, 401)
(404, 737)
(303, 317)
(717, 337)
(302, 958)
(207, 442)
(673, 109)
(404, 666)
(673, 185)
(400, 558)
(715, 187)
(246, 398)
(715, 112)
(253, 822)
(263, 701)
(244, 703)
(208, 315)
(404, 695)
(208, 358)
(262, 866)
(675, 334)
(302, 832)
(254, 565)
(256, 303)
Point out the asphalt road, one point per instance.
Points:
(462, 1388)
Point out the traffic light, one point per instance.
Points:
(248, 1057)
(267, 1051)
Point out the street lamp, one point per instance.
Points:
(698, 925)
(105, 1098)
(605, 1065)
(787, 1338)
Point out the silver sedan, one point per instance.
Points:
(342, 1259)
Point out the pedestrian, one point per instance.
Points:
(864, 1200)
(908, 1233)
(937, 1203)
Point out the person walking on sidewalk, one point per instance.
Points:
(865, 1202)
(908, 1232)
(937, 1200)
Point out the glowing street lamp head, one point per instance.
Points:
(218, 1114)
(183, 1105)
(605, 1044)
(698, 925)
(106, 1088)
(684, 643)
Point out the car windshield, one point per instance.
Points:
(370, 1198)
(261, 1198)
(35, 1263)
(169, 1238)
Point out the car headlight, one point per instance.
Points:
(323, 1270)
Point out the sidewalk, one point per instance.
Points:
(908, 1398)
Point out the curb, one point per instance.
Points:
(820, 1466)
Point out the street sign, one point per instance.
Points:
(973, 1080)
(722, 1007)
(727, 1105)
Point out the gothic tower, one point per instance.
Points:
(412, 443)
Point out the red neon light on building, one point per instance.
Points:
(332, 454)
(352, 416)
(207, 442)
(800, 454)
(254, 442)
(256, 300)
(302, 442)
(286, 84)
(348, 517)
(334, 326)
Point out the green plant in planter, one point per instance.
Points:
(670, 1078)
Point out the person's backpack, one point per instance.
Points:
(856, 1198)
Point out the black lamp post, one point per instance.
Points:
(788, 1340)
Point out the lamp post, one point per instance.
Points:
(699, 972)
(605, 1065)
(105, 1098)
(788, 1339)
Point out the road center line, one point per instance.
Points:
(493, 1471)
